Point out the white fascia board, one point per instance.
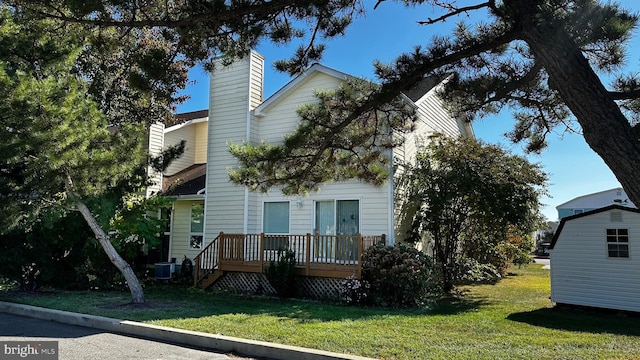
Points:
(188, 197)
(185, 124)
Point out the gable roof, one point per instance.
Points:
(422, 88)
(576, 202)
(588, 213)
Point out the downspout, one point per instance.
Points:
(173, 213)
(391, 230)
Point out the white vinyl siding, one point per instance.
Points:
(582, 273)
(155, 144)
(282, 118)
(233, 95)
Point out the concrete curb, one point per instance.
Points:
(221, 343)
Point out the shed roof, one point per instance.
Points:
(585, 214)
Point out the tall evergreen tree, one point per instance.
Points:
(539, 57)
(72, 116)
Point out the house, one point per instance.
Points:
(315, 224)
(595, 258)
(594, 201)
(183, 181)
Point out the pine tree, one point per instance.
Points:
(539, 57)
(71, 119)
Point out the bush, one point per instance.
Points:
(470, 271)
(354, 291)
(46, 254)
(58, 249)
(282, 274)
(400, 276)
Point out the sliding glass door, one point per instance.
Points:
(341, 218)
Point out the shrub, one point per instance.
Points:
(46, 253)
(354, 291)
(281, 274)
(470, 271)
(400, 276)
(58, 249)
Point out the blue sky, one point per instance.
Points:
(573, 168)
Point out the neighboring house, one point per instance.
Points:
(237, 114)
(595, 259)
(593, 201)
(184, 181)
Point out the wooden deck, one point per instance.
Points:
(316, 255)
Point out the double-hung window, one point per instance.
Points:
(276, 221)
(618, 243)
(197, 226)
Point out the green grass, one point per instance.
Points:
(511, 320)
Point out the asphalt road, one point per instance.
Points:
(80, 343)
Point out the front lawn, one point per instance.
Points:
(511, 320)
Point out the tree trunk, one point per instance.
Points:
(137, 294)
(606, 130)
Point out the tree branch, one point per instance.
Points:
(221, 17)
(456, 11)
(625, 95)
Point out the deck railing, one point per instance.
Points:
(206, 262)
(316, 255)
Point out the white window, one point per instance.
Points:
(340, 217)
(276, 221)
(618, 243)
(276, 217)
(197, 226)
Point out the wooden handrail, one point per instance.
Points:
(207, 260)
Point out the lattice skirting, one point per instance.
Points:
(255, 283)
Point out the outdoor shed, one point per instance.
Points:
(595, 259)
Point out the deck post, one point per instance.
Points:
(384, 239)
(360, 251)
(220, 250)
(261, 249)
(196, 276)
(308, 253)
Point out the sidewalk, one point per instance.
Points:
(544, 260)
(227, 344)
